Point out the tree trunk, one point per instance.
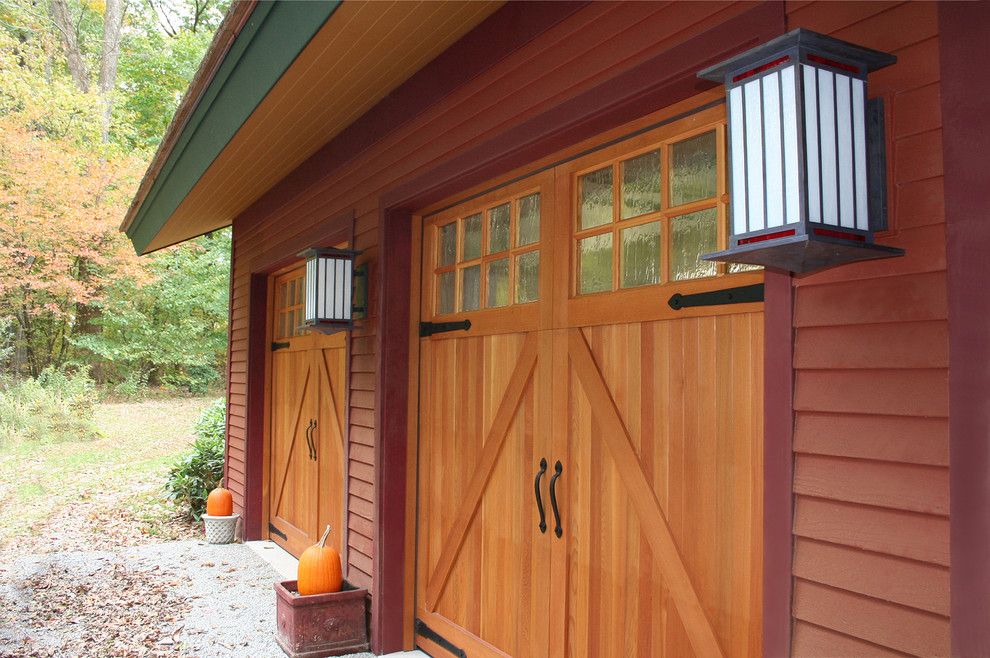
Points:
(70, 41)
(113, 19)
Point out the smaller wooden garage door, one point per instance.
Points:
(306, 456)
(636, 427)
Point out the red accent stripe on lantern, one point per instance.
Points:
(760, 69)
(766, 236)
(834, 64)
(842, 235)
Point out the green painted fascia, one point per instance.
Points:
(269, 42)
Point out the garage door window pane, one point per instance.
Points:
(498, 282)
(641, 255)
(448, 244)
(445, 292)
(471, 288)
(529, 220)
(528, 277)
(596, 198)
(691, 236)
(498, 229)
(641, 185)
(693, 169)
(471, 245)
(595, 268)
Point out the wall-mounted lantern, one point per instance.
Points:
(800, 169)
(330, 277)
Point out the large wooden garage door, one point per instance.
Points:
(306, 456)
(649, 419)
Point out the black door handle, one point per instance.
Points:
(309, 438)
(558, 467)
(312, 438)
(539, 499)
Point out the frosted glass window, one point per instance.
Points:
(498, 228)
(498, 283)
(641, 185)
(641, 255)
(528, 277)
(471, 240)
(445, 292)
(471, 288)
(691, 236)
(595, 263)
(693, 169)
(529, 220)
(448, 244)
(596, 198)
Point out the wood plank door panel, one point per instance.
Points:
(482, 567)
(330, 364)
(662, 455)
(294, 472)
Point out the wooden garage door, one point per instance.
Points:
(306, 456)
(653, 427)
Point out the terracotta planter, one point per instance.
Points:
(321, 624)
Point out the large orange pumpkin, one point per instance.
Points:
(220, 502)
(319, 568)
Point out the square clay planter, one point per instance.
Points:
(321, 624)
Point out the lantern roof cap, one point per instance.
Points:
(805, 40)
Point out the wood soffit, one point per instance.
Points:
(362, 52)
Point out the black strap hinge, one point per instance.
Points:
(279, 346)
(439, 640)
(430, 328)
(740, 295)
(275, 531)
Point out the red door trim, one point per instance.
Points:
(966, 140)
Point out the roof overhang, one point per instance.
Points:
(279, 81)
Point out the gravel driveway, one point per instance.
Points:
(182, 598)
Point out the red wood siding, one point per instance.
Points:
(575, 54)
(871, 477)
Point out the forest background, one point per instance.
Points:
(87, 89)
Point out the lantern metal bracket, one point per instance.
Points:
(738, 295)
(429, 328)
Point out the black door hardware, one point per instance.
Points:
(279, 346)
(739, 295)
(539, 499)
(309, 440)
(439, 640)
(430, 328)
(275, 531)
(558, 468)
(312, 439)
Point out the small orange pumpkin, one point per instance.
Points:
(220, 502)
(319, 568)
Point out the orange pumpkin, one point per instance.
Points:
(220, 502)
(319, 568)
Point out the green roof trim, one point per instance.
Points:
(272, 38)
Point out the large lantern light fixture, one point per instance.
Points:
(800, 165)
(329, 289)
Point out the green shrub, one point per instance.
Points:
(56, 407)
(201, 470)
(134, 386)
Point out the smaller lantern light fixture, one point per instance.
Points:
(329, 289)
(798, 153)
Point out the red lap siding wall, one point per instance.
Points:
(871, 481)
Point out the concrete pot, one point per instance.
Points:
(321, 624)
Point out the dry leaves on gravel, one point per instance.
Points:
(112, 610)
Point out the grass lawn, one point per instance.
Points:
(115, 479)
